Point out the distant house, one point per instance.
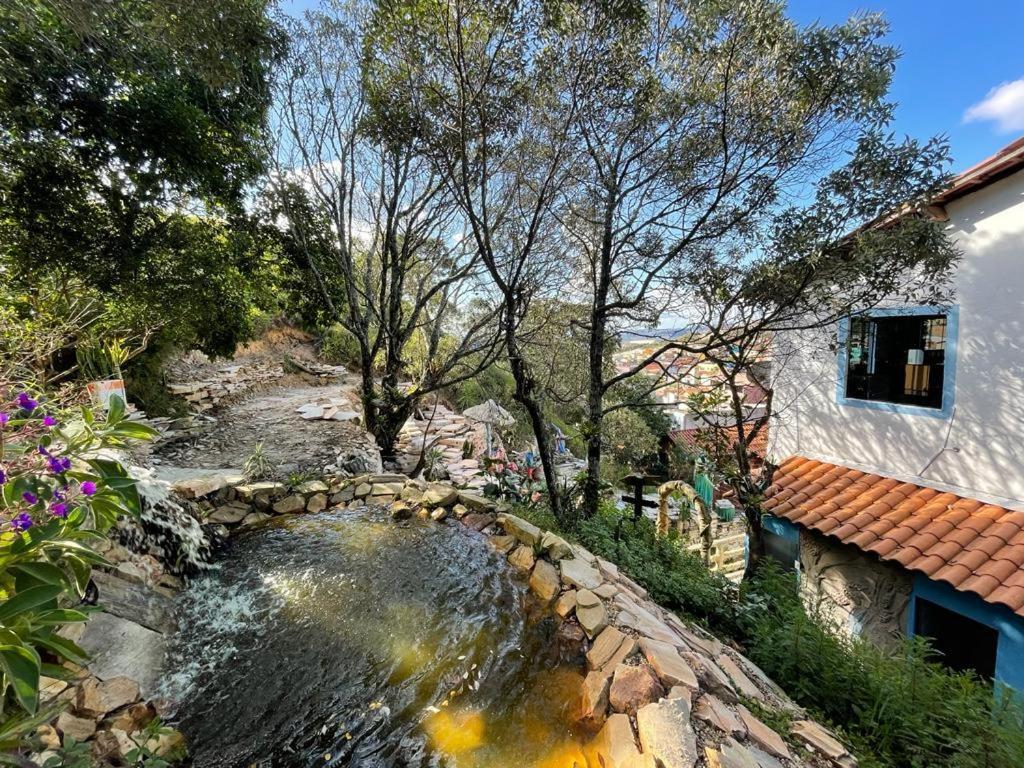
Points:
(900, 494)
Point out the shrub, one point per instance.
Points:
(57, 495)
(339, 346)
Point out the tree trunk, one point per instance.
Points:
(525, 395)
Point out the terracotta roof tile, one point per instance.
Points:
(973, 546)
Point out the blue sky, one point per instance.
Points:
(955, 52)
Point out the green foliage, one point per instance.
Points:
(628, 438)
(57, 495)
(899, 706)
(258, 465)
(339, 346)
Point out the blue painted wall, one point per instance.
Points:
(1009, 652)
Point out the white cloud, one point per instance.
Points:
(1003, 105)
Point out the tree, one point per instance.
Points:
(370, 219)
(710, 177)
(130, 133)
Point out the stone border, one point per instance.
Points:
(663, 693)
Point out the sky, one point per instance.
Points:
(962, 70)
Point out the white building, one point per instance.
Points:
(902, 474)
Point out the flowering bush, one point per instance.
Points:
(510, 480)
(57, 494)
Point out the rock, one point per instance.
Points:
(250, 492)
(604, 647)
(566, 603)
(709, 646)
(609, 569)
(48, 737)
(595, 696)
(521, 558)
(556, 547)
(476, 502)
(666, 734)
(582, 553)
(255, 517)
(170, 745)
(577, 573)
(363, 490)
(712, 710)
(586, 599)
(762, 735)
(134, 718)
(544, 582)
(711, 677)
(289, 504)
(412, 494)
(229, 514)
(439, 495)
(400, 510)
(50, 688)
(310, 487)
(388, 489)
(503, 544)
(112, 746)
(317, 502)
(816, 737)
(615, 747)
(606, 591)
(668, 664)
(478, 520)
(632, 688)
(203, 485)
(95, 698)
(528, 533)
(731, 754)
(78, 728)
(740, 681)
(438, 514)
(133, 572)
(460, 511)
(118, 647)
(593, 618)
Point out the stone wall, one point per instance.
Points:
(854, 591)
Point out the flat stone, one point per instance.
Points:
(50, 688)
(544, 582)
(604, 647)
(580, 552)
(614, 745)
(594, 696)
(134, 603)
(521, 558)
(478, 520)
(118, 647)
(762, 735)
(668, 664)
(203, 485)
(476, 502)
(711, 677)
(503, 544)
(666, 734)
(264, 490)
(525, 531)
(711, 709)
(412, 494)
(587, 599)
(310, 487)
(229, 514)
(388, 489)
(78, 728)
(362, 490)
(317, 502)
(815, 736)
(566, 603)
(289, 504)
(255, 517)
(460, 511)
(608, 568)
(731, 754)
(593, 618)
(740, 681)
(706, 645)
(606, 591)
(556, 547)
(438, 514)
(576, 573)
(96, 698)
(646, 623)
(633, 687)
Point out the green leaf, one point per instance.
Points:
(27, 600)
(61, 646)
(46, 573)
(60, 616)
(115, 411)
(21, 666)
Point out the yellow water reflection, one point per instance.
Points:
(455, 732)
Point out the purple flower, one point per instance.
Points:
(26, 403)
(3, 476)
(4, 418)
(58, 464)
(88, 488)
(21, 522)
(59, 510)
(49, 421)
(29, 497)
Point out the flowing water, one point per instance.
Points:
(345, 639)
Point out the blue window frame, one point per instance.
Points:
(864, 344)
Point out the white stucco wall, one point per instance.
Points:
(979, 451)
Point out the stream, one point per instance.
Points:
(345, 639)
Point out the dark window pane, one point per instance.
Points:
(961, 643)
